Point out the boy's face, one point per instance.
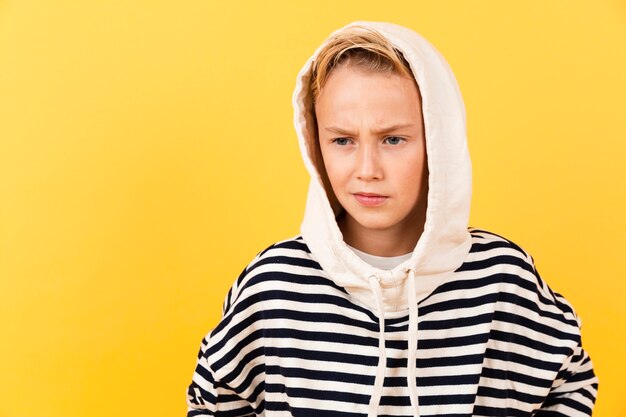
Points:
(372, 141)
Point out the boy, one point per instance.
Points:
(387, 304)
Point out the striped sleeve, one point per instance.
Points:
(208, 397)
(220, 385)
(574, 392)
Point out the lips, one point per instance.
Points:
(370, 199)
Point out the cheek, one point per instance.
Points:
(335, 167)
(336, 173)
(412, 175)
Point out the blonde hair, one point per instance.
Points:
(361, 47)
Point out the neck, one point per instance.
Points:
(397, 240)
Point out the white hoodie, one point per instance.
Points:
(445, 241)
(310, 328)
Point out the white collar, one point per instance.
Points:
(381, 262)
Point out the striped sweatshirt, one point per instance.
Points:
(493, 341)
(464, 326)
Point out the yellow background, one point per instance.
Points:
(147, 153)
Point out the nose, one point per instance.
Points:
(369, 165)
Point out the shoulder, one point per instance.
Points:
(486, 241)
(490, 251)
(514, 268)
(281, 266)
(293, 251)
(281, 279)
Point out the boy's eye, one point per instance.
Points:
(341, 141)
(393, 140)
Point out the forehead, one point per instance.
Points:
(352, 92)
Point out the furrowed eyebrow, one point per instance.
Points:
(385, 129)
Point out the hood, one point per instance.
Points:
(445, 241)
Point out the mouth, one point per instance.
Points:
(370, 199)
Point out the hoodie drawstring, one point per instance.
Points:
(382, 356)
(412, 347)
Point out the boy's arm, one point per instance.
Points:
(574, 392)
(208, 397)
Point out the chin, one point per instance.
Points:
(374, 222)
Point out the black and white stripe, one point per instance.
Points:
(495, 341)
